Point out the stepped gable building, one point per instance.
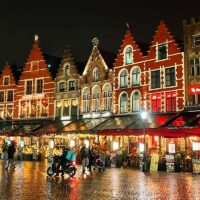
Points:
(7, 93)
(96, 83)
(191, 34)
(35, 89)
(67, 88)
(128, 77)
(164, 73)
(154, 82)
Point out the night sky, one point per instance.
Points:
(76, 23)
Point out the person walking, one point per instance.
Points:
(4, 151)
(11, 152)
(84, 155)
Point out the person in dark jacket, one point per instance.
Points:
(11, 152)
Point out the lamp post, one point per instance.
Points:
(144, 117)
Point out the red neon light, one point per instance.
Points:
(194, 89)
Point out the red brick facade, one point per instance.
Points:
(7, 93)
(35, 89)
(154, 82)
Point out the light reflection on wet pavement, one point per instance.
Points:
(30, 182)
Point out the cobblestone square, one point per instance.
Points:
(30, 182)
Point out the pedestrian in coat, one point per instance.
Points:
(84, 155)
(11, 152)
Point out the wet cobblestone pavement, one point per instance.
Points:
(30, 182)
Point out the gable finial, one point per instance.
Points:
(127, 25)
(95, 42)
(36, 37)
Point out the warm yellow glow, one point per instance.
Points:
(115, 145)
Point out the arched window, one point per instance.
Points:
(86, 100)
(136, 76)
(136, 101)
(96, 74)
(128, 56)
(123, 103)
(107, 97)
(123, 79)
(96, 95)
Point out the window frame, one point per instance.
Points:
(29, 87)
(124, 78)
(159, 52)
(155, 80)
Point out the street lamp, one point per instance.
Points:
(144, 117)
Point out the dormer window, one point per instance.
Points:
(128, 56)
(6, 80)
(96, 74)
(67, 70)
(162, 51)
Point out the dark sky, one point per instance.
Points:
(76, 23)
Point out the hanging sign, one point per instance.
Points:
(194, 89)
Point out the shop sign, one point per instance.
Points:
(169, 158)
(196, 166)
(194, 89)
(171, 148)
(154, 162)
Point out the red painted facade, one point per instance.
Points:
(35, 89)
(157, 84)
(7, 93)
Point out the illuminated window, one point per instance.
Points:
(124, 103)
(96, 92)
(170, 77)
(6, 80)
(10, 96)
(58, 109)
(128, 56)
(86, 100)
(136, 100)
(74, 107)
(162, 51)
(96, 102)
(39, 87)
(155, 79)
(170, 101)
(107, 98)
(136, 76)
(156, 103)
(96, 74)
(123, 79)
(66, 108)
(29, 85)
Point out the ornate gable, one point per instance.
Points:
(163, 36)
(67, 62)
(7, 72)
(128, 41)
(35, 53)
(95, 59)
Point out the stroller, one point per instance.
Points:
(99, 163)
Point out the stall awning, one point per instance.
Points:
(53, 127)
